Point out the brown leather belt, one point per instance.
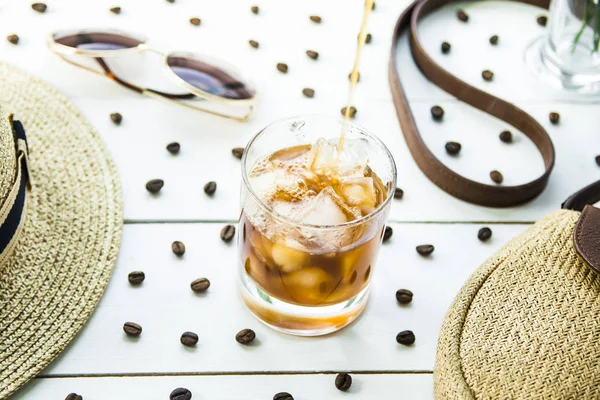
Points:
(453, 183)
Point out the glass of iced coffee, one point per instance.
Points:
(315, 198)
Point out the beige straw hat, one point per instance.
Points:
(58, 263)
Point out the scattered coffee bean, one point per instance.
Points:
(425, 249)
(343, 381)
(453, 148)
(238, 152)
(598, 160)
(132, 329)
(404, 296)
(312, 54)
(253, 43)
(195, 21)
(200, 285)
(116, 118)
(506, 136)
(254, 9)
(308, 92)
(136, 277)
(180, 394)
(494, 40)
(387, 233)
(446, 47)
(398, 193)
(437, 113)
(542, 20)
(178, 248)
(210, 188)
(373, 7)
(115, 10)
(74, 396)
(357, 76)
(316, 19)
(245, 336)
(368, 38)
(283, 396)
(14, 39)
(351, 111)
(173, 148)
(554, 118)
(227, 233)
(282, 67)
(406, 338)
(462, 15)
(39, 7)
(171, 1)
(484, 234)
(154, 185)
(487, 75)
(189, 339)
(496, 176)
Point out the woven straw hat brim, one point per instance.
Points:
(526, 324)
(70, 239)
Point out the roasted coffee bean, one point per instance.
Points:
(387, 233)
(398, 193)
(73, 396)
(132, 329)
(308, 92)
(115, 10)
(282, 67)
(178, 248)
(357, 76)
(487, 75)
(494, 40)
(373, 7)
(154, 185)
(453, 148)
(446, 47)
(195, 21)
(437, 113)
(39, 7)
(554, 118)
(351, 111)
(404, 296)
(116, 118)
(170, 1)
(312, 54)
(200, 285)
(136, 277)
(496, 176)
(316, 19)
(253, 43)
(227, 233)
(598, 160)
(210, 188)
(506, 136)
(245, 336)
(425, 249)
(237, 152)
(406, 338)
(189, 339)
(542, 20)
(462, 15)
(173, 148)
(484, 234)
(343, 381)
(254, 9)
(180, 394)
(14, 39)
(368, 38)
(283, 396)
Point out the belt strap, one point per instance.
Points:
(453, 183)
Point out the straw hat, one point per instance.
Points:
(58, 263)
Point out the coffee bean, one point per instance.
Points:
(406, 338)
(154, 185)
(462, 15)
(487, 75)
(494, 40)
(173, 148)
(178, 248)
(437, 113)
(116, 118)
(453, 148)
(254, 9)
(171, 1)
(282, 67)
(446, 47)
(343, 381)
(484, 234)
(368, 38)
(554, 118)
(14, 39)
(115, 10)
(227, 233)
(357, 76)
(351, 111)
(180, 394)
(312, 54)
(132, 329)
(283, 396)
(39, 7)
(245, 336)
(237, 152)
(425, 249)
(387, 233)
(506, 136)
(189, 339)
(496, 176)
(200, 285)
(404, 296)
(398, 193)
(136, 277)
(316, 19)
(195, 21)
(308, 92)
(73, 396)
(598, 160)
(210, 188)
(253, 43)
(542, 20)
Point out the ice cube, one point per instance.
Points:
(323, 156)
(359, 192)
(326, 209)
(263, 183)
(287, 258)
(309, 285)
(353, 158)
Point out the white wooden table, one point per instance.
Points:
(102, 363)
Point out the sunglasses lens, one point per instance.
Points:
(97, 41)
(209, 78)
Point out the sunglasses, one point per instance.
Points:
(202, 77)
